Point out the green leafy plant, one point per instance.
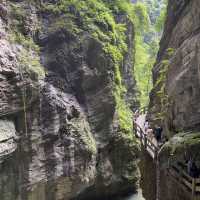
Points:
(161, 84)
(146, 15)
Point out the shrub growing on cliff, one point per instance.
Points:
(18, 14)
(30, 63)
(160, 85)
(28, 51)
(28, 56)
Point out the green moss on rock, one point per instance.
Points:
(160, 86)
(28, 50)
(81, 131)
(98, 18)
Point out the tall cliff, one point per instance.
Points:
(175, 97)
(67, 86)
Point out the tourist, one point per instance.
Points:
(146, 125)
(193, 170)
(150, 134)
(189, 166)
(136, 115)
(158, 133)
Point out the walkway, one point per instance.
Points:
(150, 144)
(177, 171)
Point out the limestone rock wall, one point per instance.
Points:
(174, 100)
(60, 135)
(182, 77)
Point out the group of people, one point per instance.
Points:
(153, 132)
(156, 132)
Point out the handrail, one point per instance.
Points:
(179, 174)
(148, 144)
(177, 171)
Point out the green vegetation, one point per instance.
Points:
(160, 85)
(98, 18)
(28, 57)
(81, 130)
(28, 51)
(30, 62)
(18, 15)
(150, 17)
(26, 41)
(160, 21)
(187, 142)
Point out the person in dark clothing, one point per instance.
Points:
(158, 133)
(146, 125)
(193, 170)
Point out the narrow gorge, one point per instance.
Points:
(73, 76)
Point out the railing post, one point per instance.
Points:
(135, 129)
(156, 154)
(193, 187)
(141, 135)
(145, 142)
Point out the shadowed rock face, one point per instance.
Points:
(182, 78)
(179, 104)
(59, 133)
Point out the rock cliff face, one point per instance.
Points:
(175, 96)
(178, 58)
(63, 131)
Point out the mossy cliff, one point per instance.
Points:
(174, 100)
(68, 87)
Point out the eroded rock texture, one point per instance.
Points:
(176, 93)
(60, 136)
